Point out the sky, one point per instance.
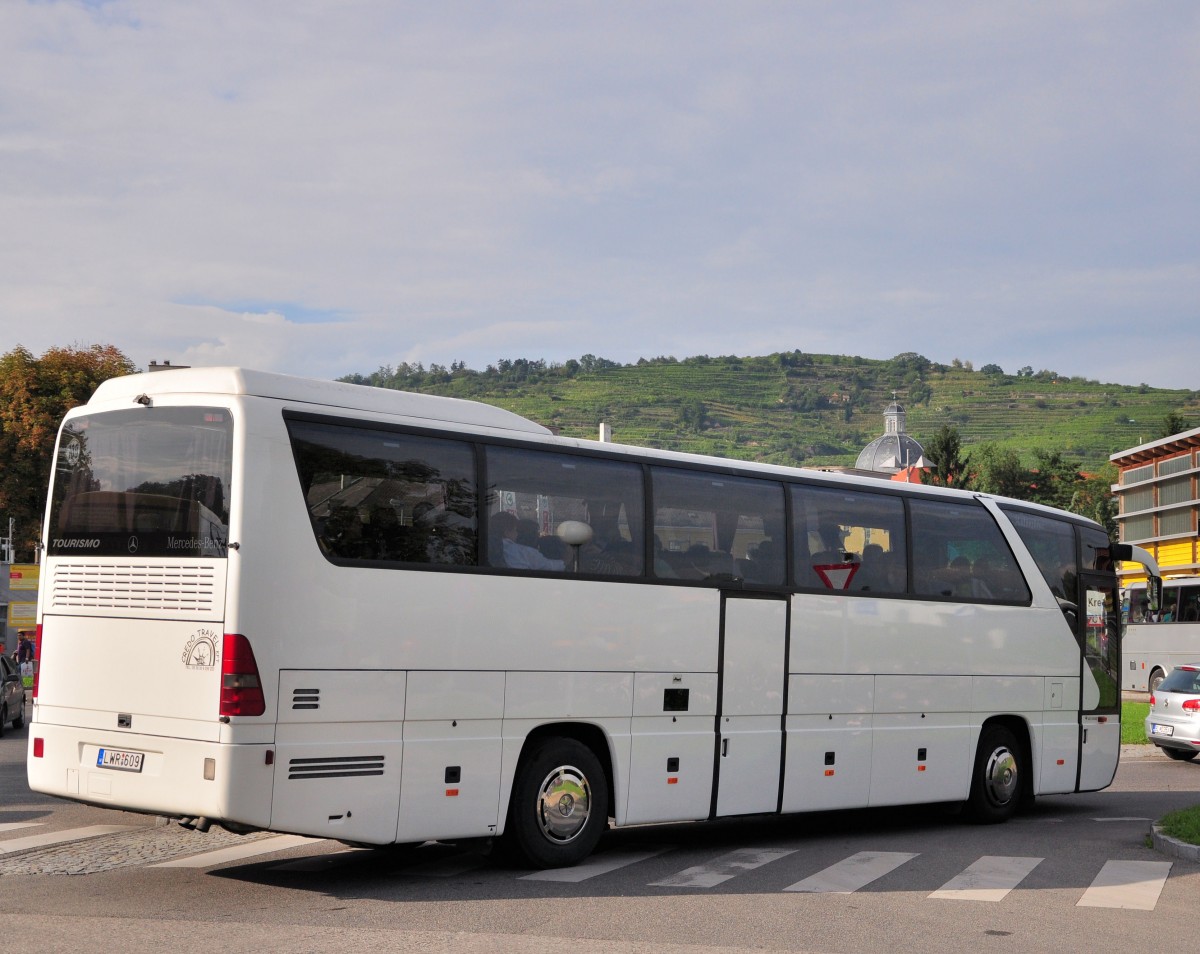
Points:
(324, 188)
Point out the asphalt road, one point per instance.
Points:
(1074, 873)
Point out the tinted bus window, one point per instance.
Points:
(145, 482)
(960, 553)
(714, 527)
(376, 495)
(532, 494)
(1052, 545)
(849, 541)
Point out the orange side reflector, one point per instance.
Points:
(451, 792)
(828, 772)
(1062, 761)
(920, 768)
(672, 781)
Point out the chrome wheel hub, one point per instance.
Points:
(564, 800)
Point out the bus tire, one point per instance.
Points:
(559, 805)
(996, 782)
(1156, 677)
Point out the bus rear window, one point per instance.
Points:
(143, 482)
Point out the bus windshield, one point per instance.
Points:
(143, 482)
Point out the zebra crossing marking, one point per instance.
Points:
(1135, 885)
(1120, 884)
(988, 879)
(601, 864)
(47, 838)
(852, 873)
(17, 826)
(723, 868)
(220, 856)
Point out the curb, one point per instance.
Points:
(1173, 846)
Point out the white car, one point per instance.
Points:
(12, 694)
(1174, 720)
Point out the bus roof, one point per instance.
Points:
(286, 387)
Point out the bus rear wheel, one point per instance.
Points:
(559, 805)
(996, 783)
(1156, 677)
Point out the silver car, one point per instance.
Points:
(12, 694)
(1174, 720)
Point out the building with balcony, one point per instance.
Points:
(1158, 502)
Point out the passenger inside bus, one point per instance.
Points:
(507, 551)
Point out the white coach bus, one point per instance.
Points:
(1157, 640)
(271, 603)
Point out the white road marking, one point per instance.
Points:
(263, 846)
(58, 837)
(723, 868)
(17, 826)
(988, 879)
(852, 873)
(601, 864)
(1135, 885)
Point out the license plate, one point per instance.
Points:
(1157, 729)
(120, 760)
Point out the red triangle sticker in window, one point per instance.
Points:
(837, 576)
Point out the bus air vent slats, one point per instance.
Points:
(306, 698)
(345, 766)
(144, 586)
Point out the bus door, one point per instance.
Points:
(1098, 631)
(752, 684)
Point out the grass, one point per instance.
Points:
(1133, 722)
(1183, 824)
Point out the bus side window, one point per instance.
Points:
(381, 496)
(849, 528)
(548, 497)
(1189, 604)
(965, 554)
(717, 528)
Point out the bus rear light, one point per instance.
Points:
(241, 688)
(39, 747)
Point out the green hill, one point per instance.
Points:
(812, 409)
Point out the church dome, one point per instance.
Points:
(893, 450)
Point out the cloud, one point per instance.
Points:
(307, 189)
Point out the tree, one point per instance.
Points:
(1093, 498)
(694, 415)
(35, 393)
(945, 452)
(1172, 424)
(1054, 481)
(998, 470)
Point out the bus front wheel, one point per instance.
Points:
(559, 805)
(997, 779)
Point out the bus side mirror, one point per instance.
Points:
(1153, 593)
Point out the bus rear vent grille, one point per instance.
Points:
(306, 698)
(346, 766)
(146, 586)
